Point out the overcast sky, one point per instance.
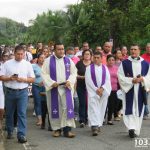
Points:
(24, 10)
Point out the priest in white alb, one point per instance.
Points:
(59, 74)
(98, 86)
(134, 80)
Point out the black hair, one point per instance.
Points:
(38, 55)
(109, 56)
(87, 50)
(18, 48)
(135, 44)
(59, 43)
(97, 53)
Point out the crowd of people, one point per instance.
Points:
(92, 87)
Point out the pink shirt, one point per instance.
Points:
(113, 77)
(104, 57)
(75, 59)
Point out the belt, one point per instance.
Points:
(16, 89)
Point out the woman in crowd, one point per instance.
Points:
(112, 100)
(81, 88)
(38, 87)
(124, 52)
(46, 52)
(118, 57)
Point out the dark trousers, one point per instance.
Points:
(82, 95)
(15, 118)
(44, 112)
(112, 106)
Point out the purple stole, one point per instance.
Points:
(93, 75)
(127, 68)
(54, 91)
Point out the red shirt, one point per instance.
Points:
(146, 57)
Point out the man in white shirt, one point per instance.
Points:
(17, 75)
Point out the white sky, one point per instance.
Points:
(24, 10)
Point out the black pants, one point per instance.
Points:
(113, 103)
(82, 104)
(44, 112)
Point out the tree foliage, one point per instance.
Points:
(11, 32)
(94, 21)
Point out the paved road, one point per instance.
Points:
(111, 138)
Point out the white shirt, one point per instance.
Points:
(79, 53)
(22, 68)
(28, 56)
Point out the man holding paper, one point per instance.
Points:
(59, 74)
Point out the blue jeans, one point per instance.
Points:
(37, 98)
(19, 99)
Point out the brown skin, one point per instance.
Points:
(19, 56)
(98, 48)
(111, 61)
(107, 47)
(135, 52)
(76, 49)
(85, 46)
(124, 51)
(97, 59)
(59, 53)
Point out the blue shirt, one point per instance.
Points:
(37, 72)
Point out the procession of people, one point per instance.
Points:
(91, 86)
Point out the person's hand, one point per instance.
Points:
(68, 84)
(13, 78)
(21, 79)
(41, 84)
(54, 85)
(99, 91)
(137, 80)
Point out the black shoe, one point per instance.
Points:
(10, 136)
(132, 134)
(22, 139)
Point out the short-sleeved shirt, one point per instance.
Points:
(37, 72)
(22, 68)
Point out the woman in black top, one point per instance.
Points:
(81, 88)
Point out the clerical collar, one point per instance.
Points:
(58, 57)
(136, 58)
